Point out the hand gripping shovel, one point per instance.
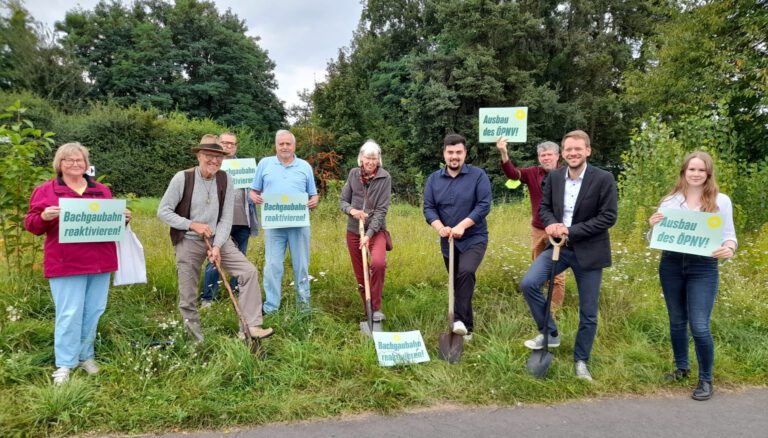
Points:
(451, 345)
(540, 360)
(368, 326)
(253, 343)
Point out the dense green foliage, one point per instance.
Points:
(710, 54)
(31, 60)
(135, 150)
(417, 70)
(652, 166)
(21, 145)
(318, 365)
(182, 56)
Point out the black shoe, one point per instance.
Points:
(676, 375)
(703, 391)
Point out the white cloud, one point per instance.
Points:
(300, 36)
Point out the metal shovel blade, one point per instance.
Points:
(366, 328)
(451, 346)
(539, 362)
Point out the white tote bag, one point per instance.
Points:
(131, 266)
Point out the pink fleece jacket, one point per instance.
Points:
(66, 259)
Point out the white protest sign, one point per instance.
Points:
(91, 220)
(689, 232)
(242, 171)
(511, 123)
(400, 348)
(284, 210)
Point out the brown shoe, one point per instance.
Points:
(260, 333)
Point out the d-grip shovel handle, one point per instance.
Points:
(556, 244)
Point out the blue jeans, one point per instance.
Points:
(588, 282)
(80, 301)
(276, 240)
(240, 235)
(689, 283)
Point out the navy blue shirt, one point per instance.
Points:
(452, 200)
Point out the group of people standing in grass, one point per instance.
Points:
(211, 220)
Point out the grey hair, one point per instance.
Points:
(547, 146)
(282, 132)
(68, 149)
(370, 147)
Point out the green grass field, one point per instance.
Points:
(318, 365)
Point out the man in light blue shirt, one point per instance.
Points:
(285, 173)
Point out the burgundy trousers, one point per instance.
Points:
(378, 264)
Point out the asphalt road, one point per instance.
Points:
(728, 415)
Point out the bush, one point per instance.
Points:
(20, 145)
(654, 159)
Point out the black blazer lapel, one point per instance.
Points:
(557, 179)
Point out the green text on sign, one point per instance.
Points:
(398, 348)
(511, 123)
(91, 220)
(284, 210)
(242, 171)
(690, 232)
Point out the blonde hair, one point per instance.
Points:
(66, 150)
(579, 135)
(709, 194)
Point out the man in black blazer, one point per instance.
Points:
(578, 204)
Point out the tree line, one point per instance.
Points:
(414, 71)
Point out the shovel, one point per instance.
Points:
(451, 345)
(540, 360)
(253, 343)
(369, 326)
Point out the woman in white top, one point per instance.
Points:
(690, 282)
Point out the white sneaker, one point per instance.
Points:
(580, 368)
(205, 304)
(537, 343)
(468, 337)
(89, 365)
(459, 328)
(60, 376)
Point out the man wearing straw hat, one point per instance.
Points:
(198, 204)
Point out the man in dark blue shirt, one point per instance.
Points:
(457, 199)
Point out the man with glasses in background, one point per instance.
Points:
(245, 224)
(534, 177)
(198, 204)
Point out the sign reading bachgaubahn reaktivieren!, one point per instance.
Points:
(242, 171)
(400, 348)
(284, 210)
(689, 232)
(91, 220)
(511, 123)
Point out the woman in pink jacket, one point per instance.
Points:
(78, 273)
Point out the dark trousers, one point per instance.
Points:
(690, 285)
(239, 235)
(588, 282)
(465, 265)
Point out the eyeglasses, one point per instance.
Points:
(213, 156)
(228, 143)
(72, 161)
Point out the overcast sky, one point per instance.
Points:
(300, 36)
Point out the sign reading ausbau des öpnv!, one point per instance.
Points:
(399, 348)
(242, 171)
(690, 232)
(91, 220)
(511, 123)
(284, 210)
